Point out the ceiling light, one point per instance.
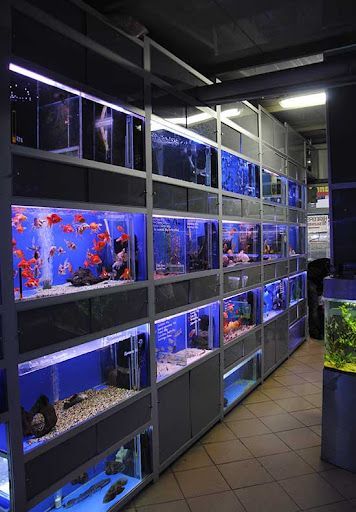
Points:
(308, 100)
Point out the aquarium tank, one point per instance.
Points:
(274, 299)
(274, 241)
(60, 391)
(104, 485)
(185, 338)
(340, 334)
(296, 240)
(5, 503)
(242, 313)
(241, 379)
(58, 251)
(241, 243)
(297, 285)
(53, 117)
(184, 245)
(274, 187)
(295, 194)
(183, 158)
(239, 175)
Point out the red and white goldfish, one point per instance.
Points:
(52, 251)
(65, 267)
(27, 273)
(19, 254)
(123, 238)
(60, 250)
(98, 246)
(68, 228)
(53, 219)
(38, 223)
(95, 227)
(104, 236)
(70, 245)
(78, 217)
(92, 259)
(81, 228)
(32, 283)
(20, 228)
(18, 218)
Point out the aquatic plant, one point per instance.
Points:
(340, 330)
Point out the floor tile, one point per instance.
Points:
(239, 413)
(197, 482)
(218, 433)
(281, 371)
(307, 388)
(276, 393)
(228, 451)
(265, 409)
(316, 399)
(343, 481)
(196, 457)
(285, 465)
(267, 497)
(310, 417)
(247, 428)
(296, 367)
(310, 491)
(297, 403)
(300, 438)
(172, 506)
(244, 473)
(316, 429)
(281, 422)
(342, 506)
(256, 397)
(166, 489)
(265, 444)
(222, 502)
(314, 376)
(290, 380)
(312, 457)
(271, 383)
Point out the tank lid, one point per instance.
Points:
(335, 288)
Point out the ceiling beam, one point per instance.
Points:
(291, 52)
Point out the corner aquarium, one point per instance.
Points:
(274, 241)
(60, 391)
(340, 325)
(241, 243)
(58, 251)
(185, 338)
(240, 379)
(103, 486)
(274, 299)
(239, 175)
(183, 245)
(241, 314)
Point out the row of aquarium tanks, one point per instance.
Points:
(53, 117)
(58, 251)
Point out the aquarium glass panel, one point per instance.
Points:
(185, 338)
(274, 241)
(184, 245)
(297, 286)
(103, 486)
(179, 157)
(64, 389)
(239, 175)
(296, 334)
(58, 251)
(53, 117)
(274, 299)
(295, 194)
(241, 314)
(274, 187)
(5, 503)
(340, 335)
(241, 243)
(241, 379)
(296, 240)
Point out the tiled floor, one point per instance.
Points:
(265, 456)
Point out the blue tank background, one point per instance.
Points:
(239, 175)
(238, 240)
(276, 237)
(274, 293)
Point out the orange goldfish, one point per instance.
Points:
(120, 228)
(20, 228)
(123, 238)
(86, 263)
(99, 246)
(19, 254)
(23, 264)
(67, 228)
(19, 217)
(104, 236)
(95, 227)
(53, 219)
(126, 274)
(78, 217)
(14, 242)
(104, 274)
(32, 261)
(27, 273)
(95, 260)
(32, 283)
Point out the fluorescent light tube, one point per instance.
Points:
(308, 100)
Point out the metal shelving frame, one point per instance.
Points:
(9, 309)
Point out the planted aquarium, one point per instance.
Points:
(241, 379)
(297, 285)
(103, 486)
(183, 158)
(60, 391)
(241, 314)
(340, 334)
(53, 117)
(239, 175)
(185, 338)
(58, 251)
(274, 241)
(184, 245)
(296, 240)
(5, 502)
(274, 299)
(295, 194)
(274, 187)
(241, 243)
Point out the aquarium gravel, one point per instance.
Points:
(165, 368)
(96, 402)
(235, 333)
